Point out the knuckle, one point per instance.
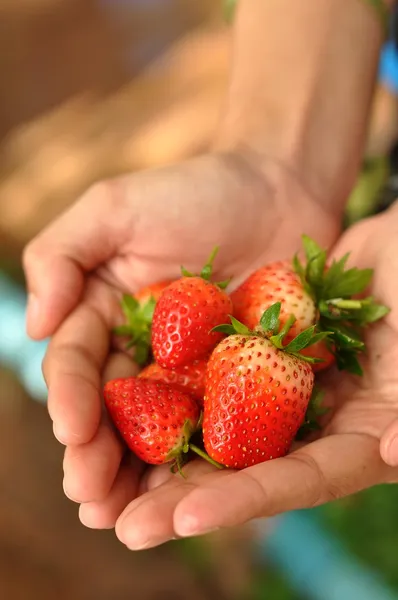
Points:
(313, 480)
(262, 505)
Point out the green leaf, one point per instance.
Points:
(332, 276)
(348, 361)
(123, 330)
(315, 406)
(138, 327)
(351, 282)
(314, 411)
(311, 248)
(298, 268)
(308, 359)
(186, 273)
(239, 327)
(141, 352)
(147, 310)
(270, 318)
(315, 271)
(346, 337)
(228, 329)
(223, 284)
(318, 337)
(370, 313)
(301, 341)
(306, 428)
(129, 305)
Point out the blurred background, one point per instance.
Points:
(89, 89)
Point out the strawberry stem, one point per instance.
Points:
(205, 456)
(207, 271)
(346, 304)
(179, 463)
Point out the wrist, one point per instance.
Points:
(306, 102)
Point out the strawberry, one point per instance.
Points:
(276, 282)
(257, 391)
(316, 294)
(189, 377)
(138, 311)
(155, 419)
(185, 316)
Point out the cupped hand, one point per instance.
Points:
(346, 458)
(120, 236)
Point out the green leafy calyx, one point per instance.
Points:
(270, 328)
(178, 455)
(335, 290)
(138, 326)
(207, 271)
(314, 412)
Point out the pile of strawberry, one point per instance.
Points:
(231, 376)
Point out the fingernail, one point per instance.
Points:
(134, 540)
(392, 452)
(138, 545)
(189, 526)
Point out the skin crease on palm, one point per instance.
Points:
(137, 230)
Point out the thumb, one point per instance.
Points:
(55, 262)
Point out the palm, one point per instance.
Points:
(345, 458)
(133, 232)
(367, 405)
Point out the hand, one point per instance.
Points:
(125, 234)
(345, 459)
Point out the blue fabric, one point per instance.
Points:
(388, 69)
(17, 351)
(315, 563)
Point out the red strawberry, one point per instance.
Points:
(314, 293)
(257, 393)
(155, 419)
(276, 282)
(189, 377)
(138, 310)
(184, 317)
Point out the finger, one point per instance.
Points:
(148, 520)
(103, 514)
(72, 370)
(117, 365)
(90, 469)
(154, 477)
(56, 260)
(74, 362)
(325, 470)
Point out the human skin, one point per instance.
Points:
(286, 154)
